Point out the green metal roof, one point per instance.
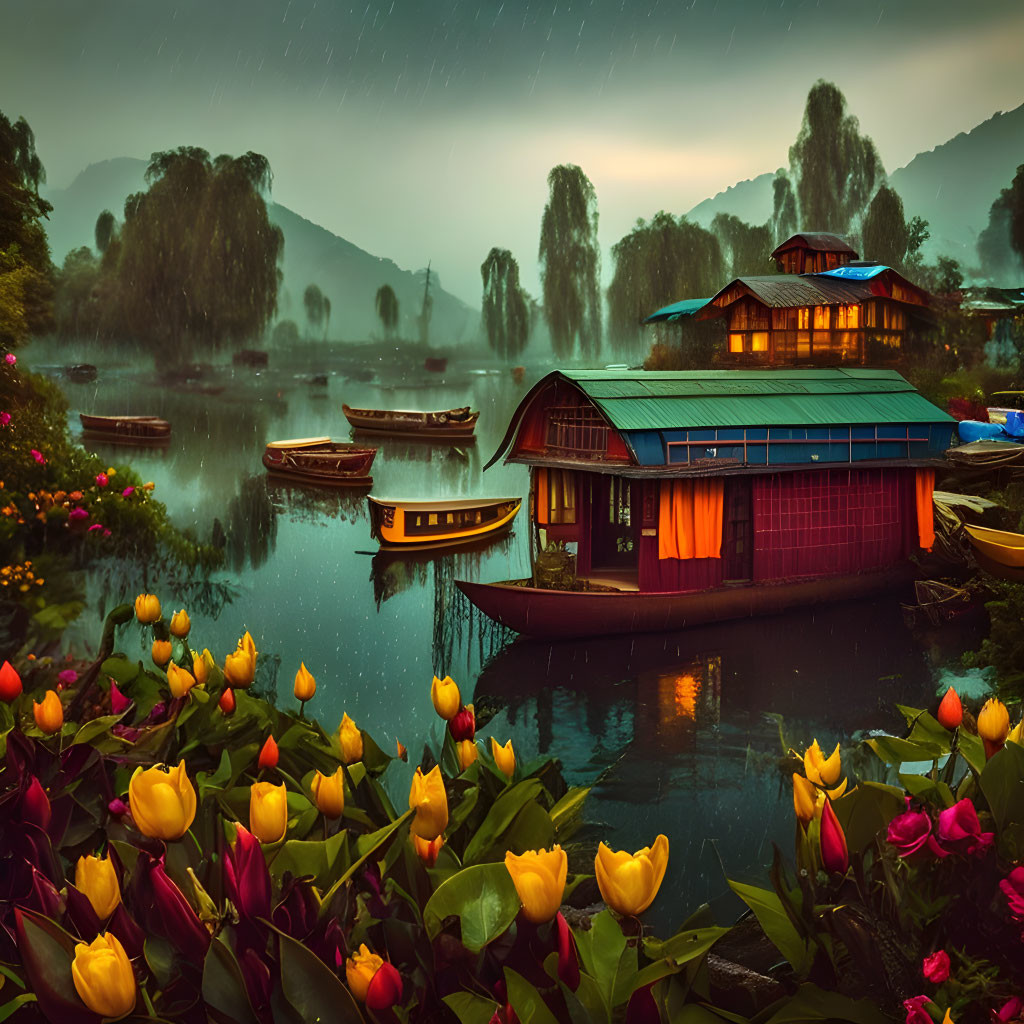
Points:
(673, 400)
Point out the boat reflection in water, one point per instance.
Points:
(684, 720)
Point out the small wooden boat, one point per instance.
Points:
(441, 425)
(127, 428)
(320, 461)
(81, 373)
(998, 551)
(434, 523)
(938, 603)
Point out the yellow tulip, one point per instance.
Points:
(629, 883)
(467, 753)
(805, 796)
(445, 696)
(430, 802)
(427, 850)
(359, 971)
(201, 665)
(103, 977)
(268, 811)
(240, 665)
(539, 878)
(161, 652)
(163, 801)
(49, 715)
(97, 879)
(179, 680)
(1016, 734)
(351, 740)
(305, 684)
(246, 644)
(993, 725)
(329, 793)
(147, 609)
(504, 757)
(180, 624)
(824, 771)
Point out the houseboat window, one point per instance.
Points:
(803, 318)
(847, 317)
(432, 519)
(821, 318)
(759, 341)
(735, 342)
(577, 428)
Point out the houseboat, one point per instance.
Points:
(679, 498)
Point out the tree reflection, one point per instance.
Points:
(250, 530)
(304, 504)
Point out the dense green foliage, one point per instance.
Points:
(887, 236)
(386, 303)
(570, 262)
(318, 307)
(504, 307)
(745, 247)
(1001, 244)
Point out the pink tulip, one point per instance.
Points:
(10, 359)
(916, 1012)
(1011, 1010)
(67, 678)
(5, 418)
(95, 527)
(959, 830)
(35, 805)
(246, 878)
(912, 831)
(76, 515)
(936, 967)
(127, 492)
(102, 480)
(1013, 889)
(834, 854)
(118, 701)
(38, 456)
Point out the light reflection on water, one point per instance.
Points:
(673, 728)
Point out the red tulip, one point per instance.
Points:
(268, 755)
(227, 701)
(246, 878)
(936, 967)
(951, 711)
(385, 988)
(118, 701)
(568, 961)
(162, 908)
(35, 805)
(834, 855)
(1012, 887)
(463, 725)
(10, 682)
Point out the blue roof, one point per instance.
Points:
(687, 307)
(852, 272)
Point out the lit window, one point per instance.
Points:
(803, 319)
(853, 316)
(821, 318)
(735, 342)
(759, 341)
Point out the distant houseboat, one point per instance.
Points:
(679, 498)
(130, 429)
(441, 425)
(435, 523)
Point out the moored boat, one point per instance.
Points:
(434, 523)
(1000, 552)
(320, 461)
(129, 428)
(440, 425)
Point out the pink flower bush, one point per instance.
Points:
(102, 480)
(38, 456)
(936, 967)
(67, 678)
(1013, 889)
(95, 526)
(10, 359)
(957, 831)
(127, 492)
(76, 515)
(5, 418)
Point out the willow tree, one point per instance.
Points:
(570, 262)
(387, 309)
(199, 257)
(313, 300)
(1001, 243)
(27, 270)
(505, 310)
(745, 247)
(784, 218)
(836, 168)
(658, 262)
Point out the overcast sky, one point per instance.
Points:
(425, 129)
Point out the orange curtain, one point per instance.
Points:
(925, 508)
(541, 499)
(690, 518)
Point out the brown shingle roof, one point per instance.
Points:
(810, 290)
(819, 241)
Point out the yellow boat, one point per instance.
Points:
(998, 551)
(435, 523)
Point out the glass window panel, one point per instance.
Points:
(735, 342)
(759, 341)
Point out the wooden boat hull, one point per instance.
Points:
(442, 425)
(998, 546)
(134, 427)
(562, 614)
(423, 525)
(320, 462)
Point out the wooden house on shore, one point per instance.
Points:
(691, 496)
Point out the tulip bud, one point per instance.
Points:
(268, 811)
(49, 715)
(305, 684)
(351, 740)
(819, 769)
(539, 877)
(118, 701)
(227, 701)
(504, 757)
(385, 989)
(463, 725)
(179, 680)
(805, 798)
(329, 793)
(1016, 734)
(628, 883)
(834, 855)
(444, 694)
(240, 665)
(97, 879)
(147, 609)
(10, 683)
(268, 754)
(35, 805)
(163, 801)
(427, 849)
(467, 753)
(359, 971)
(103, 977)
(161, 652)
(993, 725)
(951, 711)
(430, 802)
(180, 624)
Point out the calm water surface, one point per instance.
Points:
(672, 729)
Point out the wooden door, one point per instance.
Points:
(737, 530)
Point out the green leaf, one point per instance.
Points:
(924, 728)
(482, 897)
(601, 950)
(526, 1000)
(470, 1008)
(567, 814)
(308, 857)
(863, 811)
(896, 752)
(501, 815)
(684, 946)
(775, 922)
(312, 987)
(223, 986)
(972, 748)
(46, 953)
(96, 727)
(12, 1006)
(366, 846)
(812, 1003)
(1002, 782)
(121, 670)
(159, 954)
(936, 793)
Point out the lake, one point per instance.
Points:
(673, 730)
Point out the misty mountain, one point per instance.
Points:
(347, 275)
(951, 186)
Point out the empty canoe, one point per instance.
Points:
(443, 424)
